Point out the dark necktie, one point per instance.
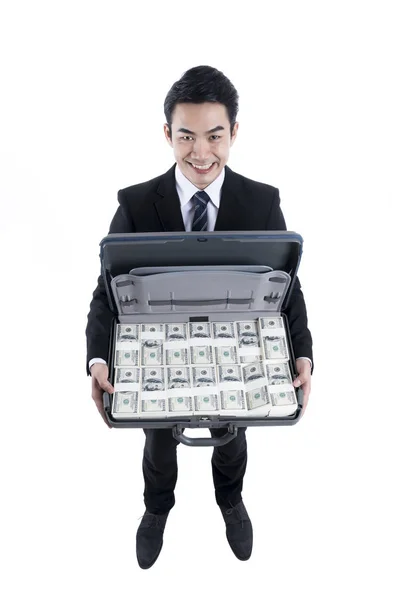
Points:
(201, 199)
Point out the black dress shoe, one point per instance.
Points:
(149, 538)
(239, 530)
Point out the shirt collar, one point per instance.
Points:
(186, 189)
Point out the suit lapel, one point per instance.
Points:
(233, 210)
(167, 204)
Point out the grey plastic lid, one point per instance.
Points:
(122, 252)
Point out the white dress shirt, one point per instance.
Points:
(186, 190)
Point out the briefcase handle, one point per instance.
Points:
(207, 441)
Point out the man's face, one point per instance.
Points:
(201, 137)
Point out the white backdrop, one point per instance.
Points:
(83, 86)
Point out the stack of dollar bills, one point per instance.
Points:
(236, 368)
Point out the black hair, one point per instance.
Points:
(202, 84)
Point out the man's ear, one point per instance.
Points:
(234, 132)
(167, 134)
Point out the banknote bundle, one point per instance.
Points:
(127, 346)
(249, 344)
(226, 368)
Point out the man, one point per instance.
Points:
(200, 192)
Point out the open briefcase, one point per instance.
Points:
(199, 337)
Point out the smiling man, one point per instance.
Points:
(201, 155)
(198, 193)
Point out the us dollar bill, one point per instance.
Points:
(232, 400)
(230, 373)
(175, 331)
(153, 405)
(201, 355)
(153, 379)
(178, 377)
(152, 328)
(253, 371)
(127, 333)
(206, 402)
(127, 357)
(275, 347)
(152, 352)
(248, 334)
(200, 330)
(257, 398)
(124, 375)
(282, 398)
(224, 330)
(177, 356)
(204, 376)
(250, 358)
(125, 402)
(271, 322)
(226, 355)
(183, 403)
(278, 373)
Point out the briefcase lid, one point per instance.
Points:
(122, 252)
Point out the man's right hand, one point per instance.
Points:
(100, 383)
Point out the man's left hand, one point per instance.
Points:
(303, 379)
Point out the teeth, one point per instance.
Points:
(204, 167)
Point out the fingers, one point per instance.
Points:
(106, 385)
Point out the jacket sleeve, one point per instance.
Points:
(296, 310)
(100, 316)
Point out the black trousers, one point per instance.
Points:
(160, 468)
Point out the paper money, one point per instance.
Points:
(231, 373)
(232, 400)
(152, 352)
(127, 357)
(200, 330)
(125, 402)
(201, 355)
(271, 322)
(226, 354)
(278, 373)
(257, 398)
(153, 405)
(175, 331)
(153, 379)
(127, 333)
(124, 375)
(250, 358)
(152, 329)
(224, 330)
(253, 371)
(206, 402)
(181, 403)
(204, 376)
(178, 356)
(275, 347)
(282, 398)
(178, 377)
(248, 333)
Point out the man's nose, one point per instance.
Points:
(201, 149)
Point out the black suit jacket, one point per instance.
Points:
(154, 206)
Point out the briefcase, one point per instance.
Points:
(199, 335)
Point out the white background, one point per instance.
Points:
(83, 86)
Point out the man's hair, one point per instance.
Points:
(202, 84)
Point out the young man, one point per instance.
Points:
(200, 192)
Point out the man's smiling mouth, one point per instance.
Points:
(201, 168)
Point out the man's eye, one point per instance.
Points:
(186, 137)
(216, 137)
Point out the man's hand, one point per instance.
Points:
(303, 379)
(100, 383)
